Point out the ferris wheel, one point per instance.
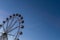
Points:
(12, 26)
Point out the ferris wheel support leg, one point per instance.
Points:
(4, 37)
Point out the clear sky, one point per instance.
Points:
(42, 17)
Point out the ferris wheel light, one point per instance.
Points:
(21, 17)
(0, 25)
(22, 26)
(6, 18)
(10, 16)
(3, 21)
(17, 14)
(22, 21)
(13, 14)
(20, 33)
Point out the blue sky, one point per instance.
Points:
(42, 17)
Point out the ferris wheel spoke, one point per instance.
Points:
(12, 29)
(7, 21)
(11, 35)
(7, 24)
(16, 36)
(11, 22)
(3, 28)
(17, 33)
(12, 25)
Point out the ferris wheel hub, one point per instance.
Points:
(4, 34)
